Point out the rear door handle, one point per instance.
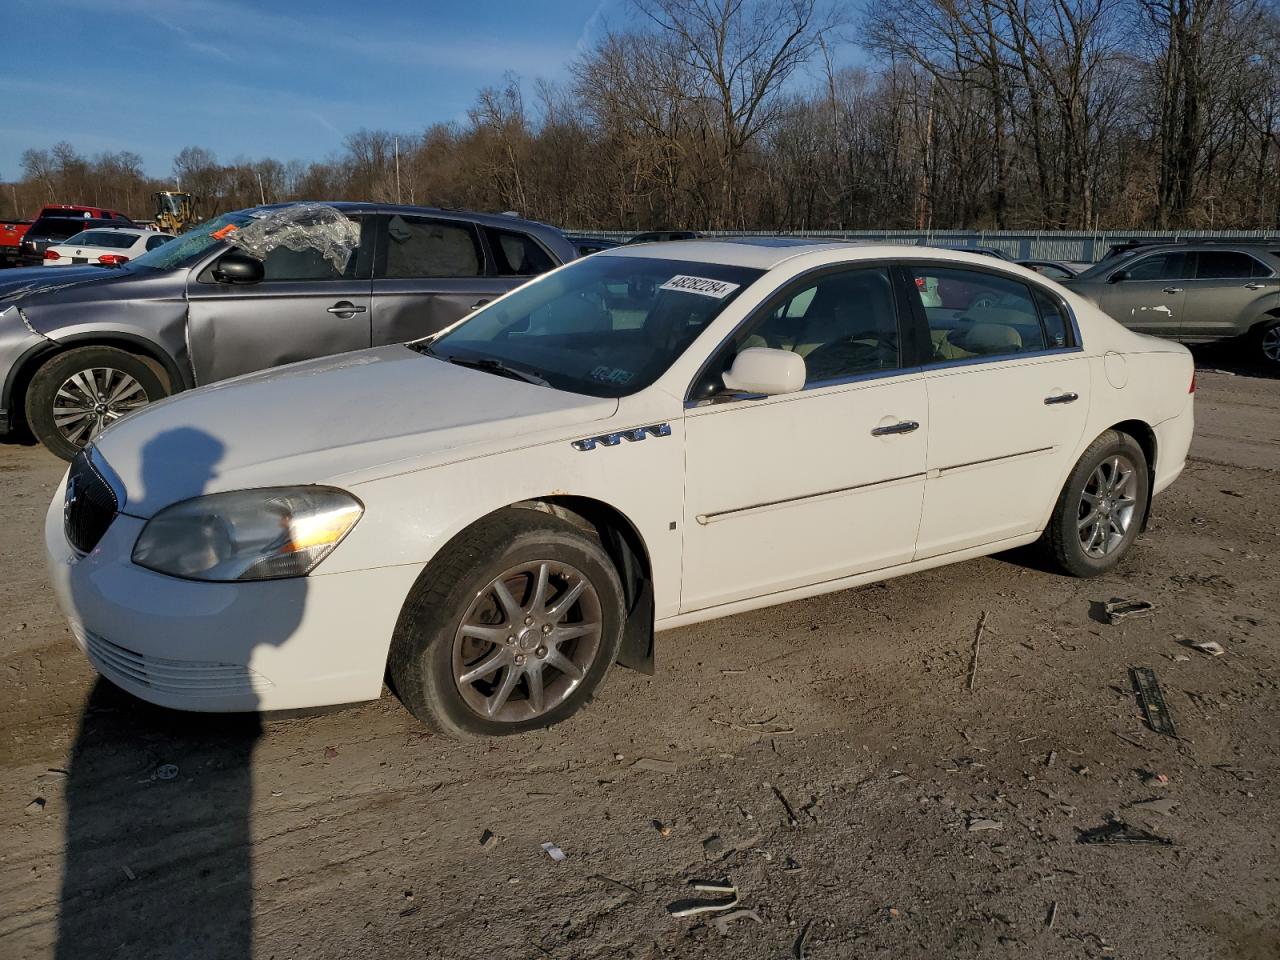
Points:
(904, 426)
(1062, 398)
(1254, 286)
(345, 308)
(1171, 290)
(480, 303)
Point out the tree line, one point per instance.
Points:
(734, 114)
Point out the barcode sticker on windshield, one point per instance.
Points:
(708, 288)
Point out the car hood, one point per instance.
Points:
(316, 421)
(18, 285)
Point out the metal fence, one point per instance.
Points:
(1018, 244)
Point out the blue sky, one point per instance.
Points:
(280, 78)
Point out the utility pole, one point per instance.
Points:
(397, 170)
(261, 194)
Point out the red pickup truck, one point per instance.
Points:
(11, 233)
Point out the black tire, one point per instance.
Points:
(43, 390)
(1266, 343)
(1062, 543)
(421, 664)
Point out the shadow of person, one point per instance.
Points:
(158, 853)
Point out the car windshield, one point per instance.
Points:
(102, 238)
(183, 249)
(606, 326)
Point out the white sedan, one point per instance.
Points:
(109, 246)
(644, 439)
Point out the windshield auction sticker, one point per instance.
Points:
(708, 288)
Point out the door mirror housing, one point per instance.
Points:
(1118, 276)
(767, 371)
(235, 267)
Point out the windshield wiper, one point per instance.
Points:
(490, 365)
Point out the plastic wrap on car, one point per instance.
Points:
(300, 227)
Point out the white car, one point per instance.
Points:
(643, 439)
(110, 246)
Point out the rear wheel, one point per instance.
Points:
(511, 629)
(1101, 508)
(76, 395)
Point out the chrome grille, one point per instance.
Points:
(89, 506)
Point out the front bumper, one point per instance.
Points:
(269, 645)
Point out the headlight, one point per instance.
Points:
(261, 534)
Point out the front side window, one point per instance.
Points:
(606, 326)
(1227, 265)
(1162, 266)
(972, 314)
(420, 247)
(517, 254)
(843, 324)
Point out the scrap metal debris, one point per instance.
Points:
(792, 820)
(1153, 704)
(804, 935)
(1161, 805)
(1212, 647)
(977, 646)
(982, 823)
(1052, 915)
(689, 908)
(1117, 610)
(1117, 831)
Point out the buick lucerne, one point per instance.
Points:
(660, 434)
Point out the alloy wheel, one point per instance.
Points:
(527, 641)
(1108, 506)
(90, 400)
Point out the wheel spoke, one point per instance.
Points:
(533, 678)
(476, 631)
(86, 385)
(514, 612)
(1091, 518)
(486, 666)
(499, 700)
(539, 599)
(566, 666)
(573, 631)
(566, 601)
(126, 387)
(78, 432)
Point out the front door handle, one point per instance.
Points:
(904, 426)
(1171, 290)
(1254, 286)
(345, 309)
(480, 303)
(1062, 398)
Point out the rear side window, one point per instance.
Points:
(1227, 265)
(1054, 317)
(972, 314)
(422, 247)
(517, 254)
(1162, 266)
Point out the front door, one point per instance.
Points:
(1148, 293)
(792, 490)
(1008, 398)
(305, 306)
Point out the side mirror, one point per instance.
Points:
(236, 267)
(1118, 276)
(766, 370)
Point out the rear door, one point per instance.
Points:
(304, 307)
(1230, 293)
(1008, 390)
(1147, 294)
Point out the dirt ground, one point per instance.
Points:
(828, 760)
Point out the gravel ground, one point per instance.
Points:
(825, 757)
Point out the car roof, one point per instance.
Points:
(364, 206)
(136, 231)
(765, 253)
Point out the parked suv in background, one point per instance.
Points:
(82, 346)
(1195, 293)
(57, 223)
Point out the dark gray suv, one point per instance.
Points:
(1195, 293)
(82, 346)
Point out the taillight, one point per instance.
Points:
(112, 259)
(52, 254)
(1193, 382)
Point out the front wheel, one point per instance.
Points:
(75, 395)
(1101, 508)
(511, 629)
